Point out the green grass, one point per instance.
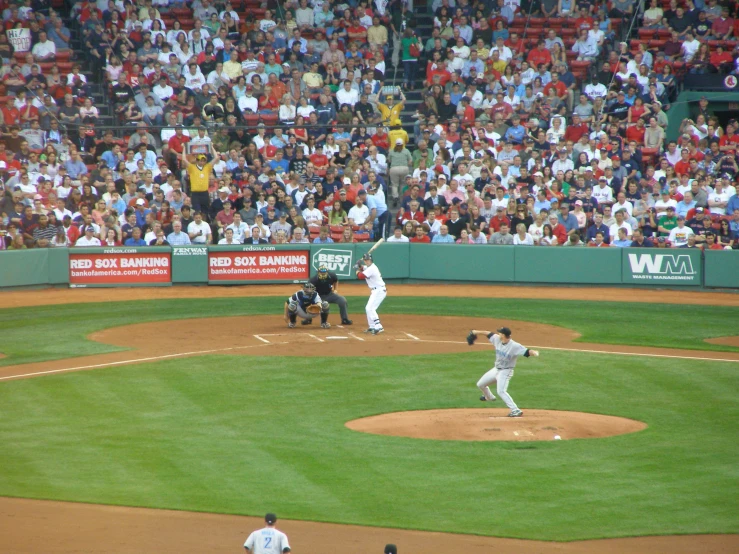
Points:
(56, 332)
(236, 434)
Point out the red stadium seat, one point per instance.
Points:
(649, 155)
(556, 22)
(251, 119)
(269, 119)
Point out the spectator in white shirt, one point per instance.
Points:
(398, 236)
(347, 95)
(44, 50)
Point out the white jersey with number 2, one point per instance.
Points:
(373, 277)
(267, 541)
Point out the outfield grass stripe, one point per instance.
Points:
(137, 360)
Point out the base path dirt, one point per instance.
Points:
(44, 297)
(725, 341)
(405, 335)
(482, 424)
(32, 526)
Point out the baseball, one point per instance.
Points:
(557, 438)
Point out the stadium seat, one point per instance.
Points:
(269, 119)
(251, 119)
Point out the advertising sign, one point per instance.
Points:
(120, 266)
(662, 268)
(337, 260)
(257, 265)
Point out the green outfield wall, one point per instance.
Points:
(243, 264)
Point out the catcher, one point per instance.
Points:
(307, 304)
(507, 352)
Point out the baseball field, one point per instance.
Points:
(171, 420)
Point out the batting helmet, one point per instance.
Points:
(367, 257)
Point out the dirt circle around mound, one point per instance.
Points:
(485, 424)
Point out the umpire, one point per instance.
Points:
(326, 283)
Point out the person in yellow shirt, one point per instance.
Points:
(398, 133)
(232, 67)
(391, 112)
(199, 174)
(496, 63)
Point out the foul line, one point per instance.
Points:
(260, 338)
(412, 336)
(356, 337)
(136, 360)
(315, 337)
(604, 352)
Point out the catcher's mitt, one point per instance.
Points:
(471, 338)
(313, 309)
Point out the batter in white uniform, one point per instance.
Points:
(507, 352)
(268, 540)
(368, 271)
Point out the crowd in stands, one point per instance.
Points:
(540, 122)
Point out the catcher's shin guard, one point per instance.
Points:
(324, 317)
(292, 317)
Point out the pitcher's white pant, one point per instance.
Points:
(503, 377)
(375, 299)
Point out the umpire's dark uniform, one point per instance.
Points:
(324, 282)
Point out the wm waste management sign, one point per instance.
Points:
(672, 268)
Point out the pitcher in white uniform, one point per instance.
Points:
(368, 271)
(507, 352)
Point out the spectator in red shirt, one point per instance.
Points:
(539, 55)
(636, 132)
(381, 139)
(498, 219)
(723, 26)
(721, 60)
(577, 129)
(414, 213)
(516, 45)
(501, 107)
(176, 144)
(558, 230)
(438, 68)
(683, 165)
(11, 114)
(558, 86)
(319, 161)
(420, 236)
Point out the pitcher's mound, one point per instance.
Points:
(485, 424)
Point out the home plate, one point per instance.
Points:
(336, 338)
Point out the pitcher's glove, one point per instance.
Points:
(313, 309)
(471, 338)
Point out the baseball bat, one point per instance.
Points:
(378, 243)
